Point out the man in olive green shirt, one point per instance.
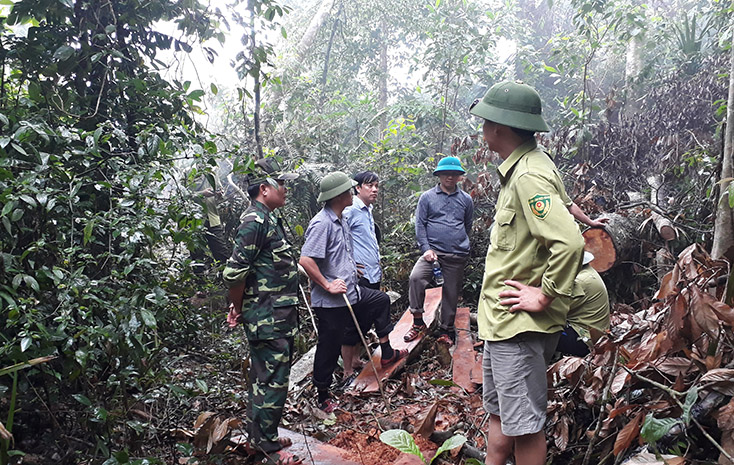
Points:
(529, 273)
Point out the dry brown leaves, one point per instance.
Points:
(683, 340)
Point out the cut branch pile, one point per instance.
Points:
(663, 378)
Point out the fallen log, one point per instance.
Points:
(614, 243)
(464, 354)
(366, 381)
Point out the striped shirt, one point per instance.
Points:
(366, 251)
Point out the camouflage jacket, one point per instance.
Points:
(264, 260)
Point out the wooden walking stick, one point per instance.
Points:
(366, 347)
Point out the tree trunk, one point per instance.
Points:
(382, 100)
(256, 118)
(614, 243)
(724, 225)
(313, 29)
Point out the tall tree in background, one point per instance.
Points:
(724, 225)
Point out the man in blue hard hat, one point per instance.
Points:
(535, 255)
(443, 220)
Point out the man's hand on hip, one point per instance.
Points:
(524, 297)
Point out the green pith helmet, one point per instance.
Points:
(512, 104)
(334, 184)
(268, 170)
(448, 164)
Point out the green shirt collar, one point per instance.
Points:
(515, 156)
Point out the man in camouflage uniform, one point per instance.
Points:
(262, 276)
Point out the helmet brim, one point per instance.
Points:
(335, 191)
(511, 118)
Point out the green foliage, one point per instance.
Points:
(404, 442)
(95, 229)
(653, 429)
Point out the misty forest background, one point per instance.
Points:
(115, 113)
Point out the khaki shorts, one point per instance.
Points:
(515, 384)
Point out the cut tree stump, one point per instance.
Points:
(464, 354)
(613, 243)
(314, 452)
(366, 381)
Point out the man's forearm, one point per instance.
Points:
(235, 295)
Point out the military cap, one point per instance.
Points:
(268, 170)
(334, 184)
(511, 104)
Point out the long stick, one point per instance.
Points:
(310, 312)
(366, 347)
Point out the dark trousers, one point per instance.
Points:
(270, 367)
(336, 328)
(570, 344)
(364, 282)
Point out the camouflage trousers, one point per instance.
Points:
(270, 367)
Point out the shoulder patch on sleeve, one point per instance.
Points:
(540, 205)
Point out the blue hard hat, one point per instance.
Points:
(448, 164)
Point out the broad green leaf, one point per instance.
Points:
(7, 207)
(4, 119)
(25, 343)
(28, 199)
(31, 281)
(4, 141)
(443, 382)
(88, 231)
(472, 461)
(214, 89)
(201, 384)
(653, 429)
(731, 195)
(148, 317)
(453, 442)
(82, 399)
(196, 95)
(283, 32)
(34, 91)
(691, 399)
(402, 441)
(63, 53)
(185, 448)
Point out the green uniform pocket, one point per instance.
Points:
(506, 233)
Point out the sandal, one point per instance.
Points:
(280, 458)
(397, 354)
(328, 406)
(414, 332)
(445, 339)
